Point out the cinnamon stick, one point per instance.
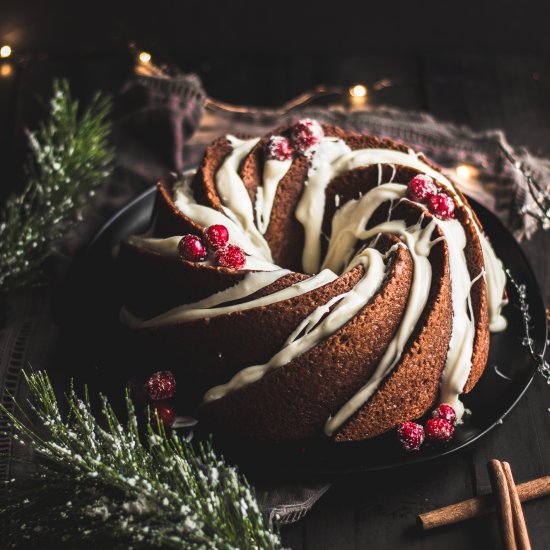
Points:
(503, 504)
(520, 528)
(478, 506)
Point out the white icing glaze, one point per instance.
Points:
(274, 172)
(320, 324)
(165, 247)
(333, 157)
(495, 281)
(311, 206)
(251, 283)
(351, 219)
(459, 356)
(418, 241)
(206, 216)
(168, 247)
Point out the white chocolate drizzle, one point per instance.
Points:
(206, 216)
(274, 172)
(418, 242)
(320, 324)
(333, 157)
(251, 283)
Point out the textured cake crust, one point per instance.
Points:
(295, 400)
(225, 343)
(413, 385)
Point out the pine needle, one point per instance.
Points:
(104, 482)
(69, 157)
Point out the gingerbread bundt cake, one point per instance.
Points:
(349, 285)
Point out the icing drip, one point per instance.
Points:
(274, 172)
(169, 248)
(459, 356)
(495, 281)
(311, 207)
(418, 241)
(165, 247)
(233, 193)
(333, 157)
(318, 325)
(206, 216)
(351, 218)
(251, 283)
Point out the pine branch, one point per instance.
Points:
(69, 156)
(100, 482)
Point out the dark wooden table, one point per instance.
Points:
(508, 92)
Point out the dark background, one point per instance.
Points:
(484, 64)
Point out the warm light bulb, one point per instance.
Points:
(6, 70)
(5, 51)
(145, 57)
(466, 171)
(358, 91)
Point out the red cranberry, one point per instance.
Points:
(165, 412)
(306, 133)
(279, 148)
(411, 435)
(439, 430)
(442, 206)
(192, 248)
(445, 411)
(421, 188)
(230, 256)
(161, 385)
(216, 236)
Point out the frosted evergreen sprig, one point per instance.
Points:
(109, 482)
(69, 156)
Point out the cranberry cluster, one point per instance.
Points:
(216, 239)
(304, 134)
(422, 189)
(438, 429)
(157, 390)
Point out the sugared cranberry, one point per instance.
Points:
(279, 148)
(161, 385)
(137, 392)
(306, 133)
(421, 188)
(445, 411)
(216, 236)
(165, 412)
(442, 206)
(411, 435)
(439, 430)
(230, 256)
(192, 248)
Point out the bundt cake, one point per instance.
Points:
(323, 282)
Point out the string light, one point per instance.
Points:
(358, 96)
(5, 51)
(466, 171)
(144, 57)
(358, 91)
(5, 70)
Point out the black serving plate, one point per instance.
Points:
(90, 311)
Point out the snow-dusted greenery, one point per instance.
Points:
(69, 156)
(104, 483)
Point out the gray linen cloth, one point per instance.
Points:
(28, 333)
